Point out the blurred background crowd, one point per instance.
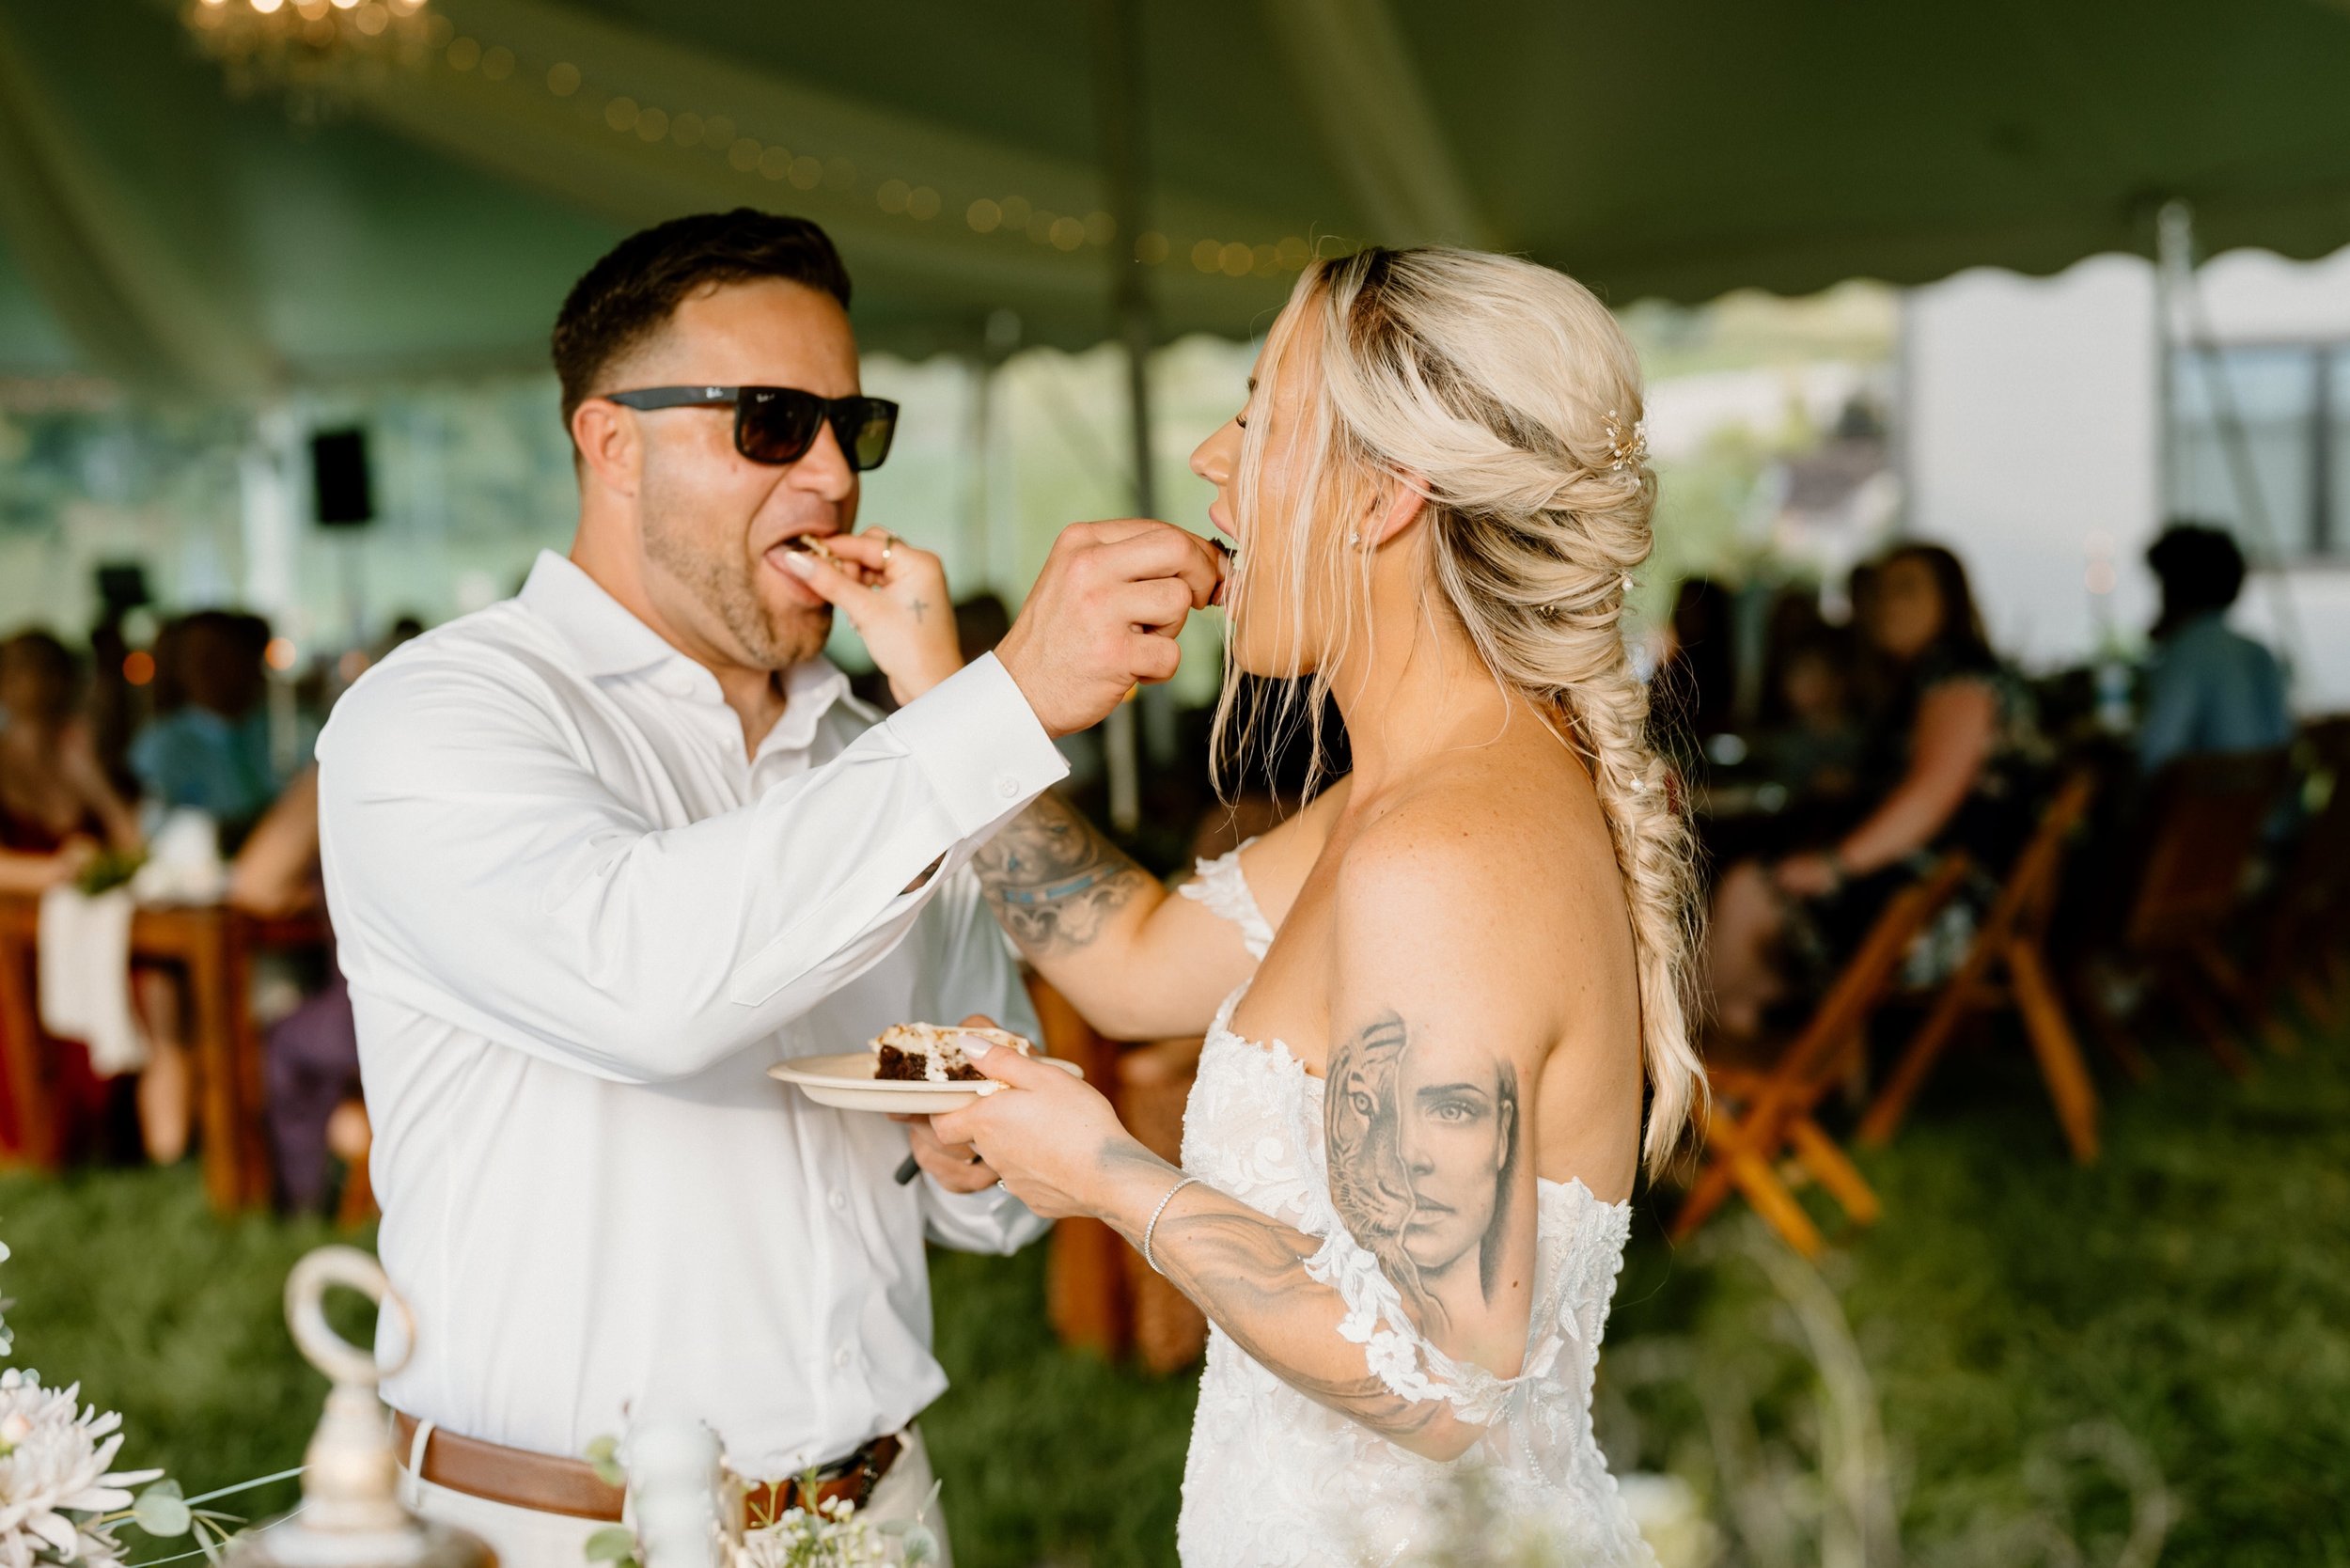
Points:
(1998, 631)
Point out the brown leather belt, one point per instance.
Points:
(549, 1483)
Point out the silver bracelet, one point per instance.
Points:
(1152, 1228)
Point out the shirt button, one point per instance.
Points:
(840, 1357)
(1008, 787)
(838, 1200)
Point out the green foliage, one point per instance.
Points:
(108, 870)
(162, 1511)
(612, 1544)
(604, 1457)
(125, 1282)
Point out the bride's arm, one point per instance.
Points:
(1427, 1121)
(1139, 963)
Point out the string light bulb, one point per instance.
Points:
(301, 44)
(309, 50)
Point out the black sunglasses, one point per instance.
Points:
(778, 424)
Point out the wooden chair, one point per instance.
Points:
(2310, 908)
(2007, 965)
(1098, 1290)
(356, 1205)
(2206, 818)
(1758, 1116)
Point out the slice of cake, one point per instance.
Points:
(928, 1053)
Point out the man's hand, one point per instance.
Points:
(1103, 615)
(899, 606)
(956, 1167)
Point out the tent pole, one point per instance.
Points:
(2177, 251)
(1118, 91)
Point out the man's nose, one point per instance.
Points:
(824, 467)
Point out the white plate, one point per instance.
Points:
(846, 1082)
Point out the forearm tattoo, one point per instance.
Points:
(1053, 880)
(1246, 1271)
(1243, 1269)
(1423, 1148)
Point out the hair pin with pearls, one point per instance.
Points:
(1627, 447)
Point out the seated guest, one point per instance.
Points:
(1812, 740)
(2208, 687)
(312, 1062)
(212, 749)
(56, 807)
(1696, 686)
(57, 812)
(1951, 750)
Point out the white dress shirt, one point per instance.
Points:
(579, 925)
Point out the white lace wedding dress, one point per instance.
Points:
(1278, 1481)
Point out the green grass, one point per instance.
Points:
(2193, 1292)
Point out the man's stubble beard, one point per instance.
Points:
(721, 582)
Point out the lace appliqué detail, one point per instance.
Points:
(1223, 889)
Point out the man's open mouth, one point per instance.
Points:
(809, 545)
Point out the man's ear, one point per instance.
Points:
(1394, 506)
(610, 445)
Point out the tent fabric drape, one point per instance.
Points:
(116, 285)
(1351, 65)
(189, 242)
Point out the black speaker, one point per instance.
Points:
(122, 587)
(343, 497)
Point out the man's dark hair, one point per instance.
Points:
(632, 292)
(2200, 568)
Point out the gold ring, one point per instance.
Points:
(890, 542)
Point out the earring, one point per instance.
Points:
(1354, 536)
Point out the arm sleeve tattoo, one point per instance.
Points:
(1053, 881)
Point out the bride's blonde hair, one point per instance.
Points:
(1507, 395)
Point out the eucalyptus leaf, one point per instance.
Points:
(918, 1544)
(612, 1544)
(604, 1457)
(161, 1511)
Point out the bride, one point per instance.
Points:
(1433, 999)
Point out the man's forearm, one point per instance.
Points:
(1057, 885)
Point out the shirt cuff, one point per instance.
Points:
(989, 1220)
(980, 744)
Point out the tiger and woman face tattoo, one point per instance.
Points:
(1423, 1150)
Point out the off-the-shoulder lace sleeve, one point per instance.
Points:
(1221, 886)
(1394, 1349)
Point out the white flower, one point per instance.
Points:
(53, 1476)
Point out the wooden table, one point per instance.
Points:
(212, 944)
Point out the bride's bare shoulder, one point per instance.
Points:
(1505, 857)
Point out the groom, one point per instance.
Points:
(600, 856)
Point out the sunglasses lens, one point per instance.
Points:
(777, 425)
(865, 426)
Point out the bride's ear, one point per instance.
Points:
(1394, 507)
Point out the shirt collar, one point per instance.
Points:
(810, 692)
(608, 639)
(603, 635)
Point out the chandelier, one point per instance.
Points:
(313, 51)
